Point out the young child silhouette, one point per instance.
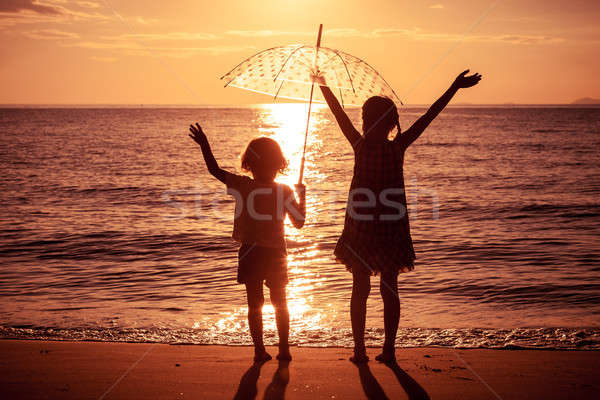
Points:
(376, 237)
(261, 207)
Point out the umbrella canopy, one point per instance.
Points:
(286, 72)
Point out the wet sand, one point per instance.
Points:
(106, 370)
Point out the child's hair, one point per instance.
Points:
(381, 113)
(263, 152)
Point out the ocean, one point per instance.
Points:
(113, 230)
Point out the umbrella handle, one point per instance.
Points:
(319, 36)
(312, 88)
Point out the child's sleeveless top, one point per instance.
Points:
(376, 236)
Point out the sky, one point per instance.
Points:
(174, 52)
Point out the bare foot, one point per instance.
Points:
(359, 358)
(387, 358)
(284, 356)
(263, 356)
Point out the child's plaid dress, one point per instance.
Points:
(376, 236)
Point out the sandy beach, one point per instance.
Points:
(107, 370)
(187, 182)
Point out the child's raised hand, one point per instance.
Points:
(300, 189)
(462, 81)
(197, 133)
(317, 77)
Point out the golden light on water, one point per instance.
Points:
(286, 123)
(303, 281)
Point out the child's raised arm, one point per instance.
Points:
(340, 115)
(200, 138)
(295, 210)
(413, 133)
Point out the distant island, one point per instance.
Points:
(586, 100)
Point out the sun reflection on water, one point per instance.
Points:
(286, 123)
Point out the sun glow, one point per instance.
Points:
(286, 123)
(303, 316)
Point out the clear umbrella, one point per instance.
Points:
(287, 72)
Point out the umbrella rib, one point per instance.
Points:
(329, 60)
(303, 63)
(299, 47)
(285, 97)
(348, 72)
(276, 94)
(233, 69)
(388, 85)
(339, 87)
(246, 59)
(287, 59)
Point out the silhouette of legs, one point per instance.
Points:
(410, 386)
(361, 287)
(388, 287)
(281, 378)
(282, 318)
(256, 299)
(247, 389)
(371, 387)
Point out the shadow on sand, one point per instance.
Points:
(275, 391)
(374, 391)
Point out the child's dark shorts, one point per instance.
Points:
(261, 263)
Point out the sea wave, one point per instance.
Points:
(126, 228)
(465, 338)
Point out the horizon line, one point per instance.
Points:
(219, 105)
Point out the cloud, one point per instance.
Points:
(420, 35)
(144, 21)
(104, 59)
(164, 36)
(528, 39)
(339, 32)
(393, 32)
(503, 38)
(122, 45)
(345, 32)
(87, 4)
(437, 6)
(50, 34)
(264, 33)
(133, 48)
(409, 34)
(15, 12)
(16, 6)
(227, 49)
